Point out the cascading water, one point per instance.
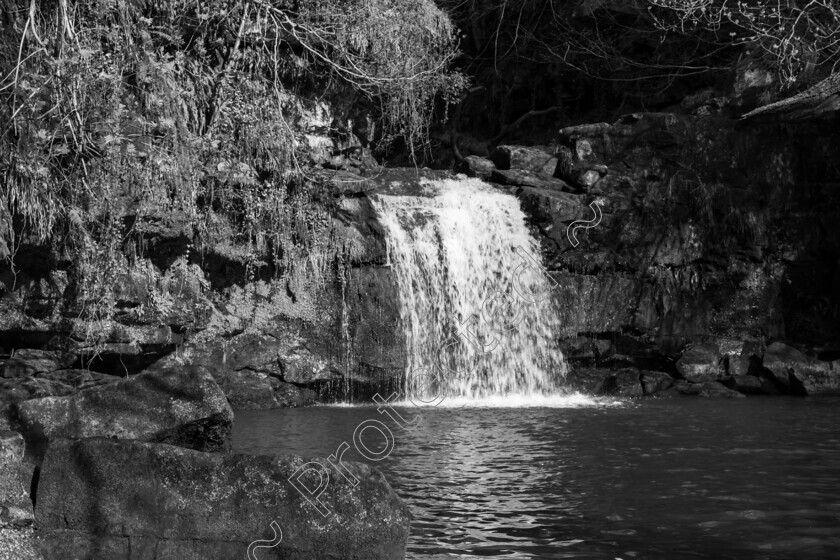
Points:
(474, 299)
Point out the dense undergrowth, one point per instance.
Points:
(123, 117)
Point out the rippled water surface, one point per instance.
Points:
(667, 479)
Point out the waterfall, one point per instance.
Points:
(474, 299)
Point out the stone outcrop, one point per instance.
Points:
(183, 407)
(701, 362)
(692, 256)
(319, 339)
(798, 373)
(692, 250)
(101, 498)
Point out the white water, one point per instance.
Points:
(474, 300)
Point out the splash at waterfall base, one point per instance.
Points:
(312, 478)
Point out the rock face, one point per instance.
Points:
(326, 332)
(682, 239)
(183, 407)
(100, 498)
(625, 382)
(689, 231)
(797, 372)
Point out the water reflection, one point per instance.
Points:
(655, 479)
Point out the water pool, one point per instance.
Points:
(755, 478)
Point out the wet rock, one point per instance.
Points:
(585, 379)
(717, 390)
(709, 389)
(654, 382)
(700, 363)
(477, 166)
(587, 348)
(359, 228)
(27, 362)
(740, 355)
(252, 390)
(517, 178)
(687, 388)
(602, 303)
(183, 407)
(520, 178)
(577, 348)
(625, 383)
(746, 384)
(798, 372)
(100, 498)
(551, 208)
(374, 319)
(540, 161)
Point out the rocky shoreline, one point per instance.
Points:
(140, 468)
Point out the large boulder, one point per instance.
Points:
(477, 166)
(656, 381)
(798, 372)
(183, 407)
(100, 498)
(538, 160)
(701, 362)
(625, 382)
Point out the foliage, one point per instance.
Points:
(592, 53)
(794, 37)
(122, 115)
(576, 58)
(398, 50)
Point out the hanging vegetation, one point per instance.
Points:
(120, 115)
